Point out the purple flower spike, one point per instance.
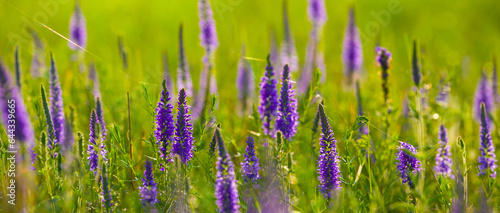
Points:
(183, 73)
(94, 77)
(287, 117)
(316, 12)
(77, 29)
(487, 160)
(107, 200)
(484, 95)
(288, 53)
(11, 100)
(494, 84)
(443, 157)
(208, 34)
(93, 158)
(165, 128)
(166, 73)
(226, 188)
(183, 141)
(245, 82)
(328, 163)
(384, 58)
(100, 116)
(352, 52)
(407, 162)
(56, 103)
(268, 99)
(148, 189)
(250, 166)
(52, 141)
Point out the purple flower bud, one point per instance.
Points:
(93, 158)
(316, 11)
(417, 75)
(183, 141)
(208, 34)
(183, 73)
(287, 117)
(52, 140)
(226, 188)
(407, 162)
(250, 166)
(12, 103)
(487, 160)
(100, 116)
(328, 163)
(288, 53)
(384, 61)
(484, 95)
(165, 128)
(105, 190)
(148, 189)
(352, 52)
(443, 157)
(56, 103)
(77, 29)
(268, 99)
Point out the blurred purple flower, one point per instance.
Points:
(268, 99)
(56, 104)
(352, 52)
(165, 128)
(487, 159)
(316, 11)
(183, 140)
(484, 95)
(208, 34)
(166, 73)
(245, 82)
(226, 188)
(250, 166)
(407, 162)
(443, 157)
(183, 73)
(93, 158)
(148, 189)
(287, 117)
(288, 53)
(38, 58)
(417, 75)
(329, 174)
(94, 77)
(77, 29)
(105, 190)
(11, 100)
(494, 85)
(100, 116)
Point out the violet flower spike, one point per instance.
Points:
(443, 157)
(352, 52)
(288, 52)
(208, 34)
(487, 159)
(417, 75)
(245, 82)
(77, 29)
(183, 140)
(250, 166)
(268, 99)
(383, 59)
(100, 116)
(107, 200)
(287, 117)
(226, 188)
(148, 190)
(56, 103)
(407, 162)
(164, 132)
(483, 94)
(329, 174)
(316, 12)
(52, 140)
(11, 98)
(93, 158)
(183, 73)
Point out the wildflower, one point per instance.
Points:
(250, 166)
(245, 82)
(384, 61)
(183, 73)
(208, 34)
(487, 159)
(100, 116)
(407, 162)
(226, 189)
(287, 117)
(288, 53)
(268, 98)
(52, 140)
(77, 29)
(166, 73)
(316, 11)
(106, 192)
(165, 128)
(443, 157)
(483, 94)
(328, 163)
(417, 75)
(148, 189)
(56, 103)
(93, 158)
(352, 52)
(183, 141)
(94, 77)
